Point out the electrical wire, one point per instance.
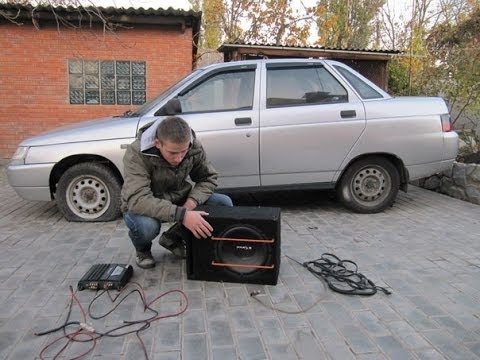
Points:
(254, 295)
(85, 329)
(341, 276)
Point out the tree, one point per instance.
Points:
(346, 24)
(455, 53)
(213, 12)
(409, 30)
(278, 22)
(392, 26)
(271, 21)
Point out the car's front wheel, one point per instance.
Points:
(369, 185)
(89, 192)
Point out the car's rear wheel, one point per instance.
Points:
(369, 185)
(89, 192)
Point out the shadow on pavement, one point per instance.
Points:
(285, 198)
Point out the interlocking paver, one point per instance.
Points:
(224, 354)
(425, 248)
(195, 346)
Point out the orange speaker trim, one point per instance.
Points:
(244, 240)
(244, 265)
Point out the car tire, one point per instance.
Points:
(369, 185)
(89, 192)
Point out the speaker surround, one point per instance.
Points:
(244, 246)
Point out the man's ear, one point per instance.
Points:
(157, 143)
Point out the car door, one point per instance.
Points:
(309, 122)
(222, 109)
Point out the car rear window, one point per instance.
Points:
(364, 90)
(302, 85)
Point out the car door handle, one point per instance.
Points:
(348, 114)
(243, 121)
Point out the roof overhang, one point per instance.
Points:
(306, 52)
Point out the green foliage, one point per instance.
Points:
(212, 18)
(454, 67)
(398, 76)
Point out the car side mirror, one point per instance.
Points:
(172, 107)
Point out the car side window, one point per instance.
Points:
(222, 91)
(300, 85)
(364, 90)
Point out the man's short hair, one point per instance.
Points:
(174, 129)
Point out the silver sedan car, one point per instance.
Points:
(265, 124)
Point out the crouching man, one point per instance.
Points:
(155, 190)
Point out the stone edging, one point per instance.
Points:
(462, 182)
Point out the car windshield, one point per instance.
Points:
(149, 105)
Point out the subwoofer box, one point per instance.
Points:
(244, 246)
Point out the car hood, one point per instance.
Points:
(93, 130)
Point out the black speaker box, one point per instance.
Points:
(244, 246)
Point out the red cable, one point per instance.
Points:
(71, 337)
(170, 315)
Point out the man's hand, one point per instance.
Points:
(194, 221)
(190, 204)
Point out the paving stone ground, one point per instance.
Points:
(426, 249)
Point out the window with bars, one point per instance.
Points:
(107, 82)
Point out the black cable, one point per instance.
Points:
(57, 328)
(96, 317)
(342, 276)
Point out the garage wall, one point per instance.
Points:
(34, 90)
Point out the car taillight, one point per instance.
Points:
(446, 122)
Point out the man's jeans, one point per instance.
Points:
(144, 229)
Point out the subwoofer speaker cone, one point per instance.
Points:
(242, 252)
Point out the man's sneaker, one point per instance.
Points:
(145, 260)
(172, 240)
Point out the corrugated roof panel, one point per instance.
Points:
(250, 44)
(106, 10)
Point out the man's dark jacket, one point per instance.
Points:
(154, 188)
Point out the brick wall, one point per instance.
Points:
(34, 72)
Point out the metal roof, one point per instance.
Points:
(225, 48)
(19, 12)
(106, 10)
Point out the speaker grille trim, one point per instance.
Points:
(214, 263)
(267, 241)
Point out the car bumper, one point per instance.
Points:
(31, 182)
(423, 170)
